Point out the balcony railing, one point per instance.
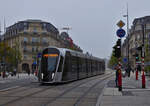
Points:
(35, 43)
(27, 51)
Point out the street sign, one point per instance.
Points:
(34, 63)
(120, 24)
(39, 55)
(125, 60)
(120, 33)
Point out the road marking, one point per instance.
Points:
(6, 89)
(137, 89)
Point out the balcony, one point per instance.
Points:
(35, 43)
(27, 51)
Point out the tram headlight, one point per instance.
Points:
(52, 75)
(42, 75)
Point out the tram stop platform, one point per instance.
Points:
(132, 93)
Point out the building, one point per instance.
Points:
(140, 27)
(31, 37)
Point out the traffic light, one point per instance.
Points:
(117, 49)
(136, 57)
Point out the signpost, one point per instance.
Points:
(120, 33)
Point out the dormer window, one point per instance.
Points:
(34, 30)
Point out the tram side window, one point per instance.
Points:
(74, 64)
(60, 64)
(66, 66)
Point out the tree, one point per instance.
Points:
(17, 55)
(9, 56)
(113, 61)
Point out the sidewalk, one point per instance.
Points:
(132, 93)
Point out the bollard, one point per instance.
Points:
(143, 80)
(136, 74)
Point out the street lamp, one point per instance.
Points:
(127, 16)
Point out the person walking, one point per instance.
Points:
(15, 71)
(117, 75)
(129, 70)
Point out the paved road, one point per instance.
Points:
(79, 93)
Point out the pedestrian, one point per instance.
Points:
(117, 74)
(129, 70)
(15, 71)
(28, 72)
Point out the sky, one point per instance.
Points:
(92, 22)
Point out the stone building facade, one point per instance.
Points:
(33, 36)
(135, 39)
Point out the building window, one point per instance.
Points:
(34, 30)
(35, 40)
(25, 56)
(32, 49)
(37, 49)
(25, 49)
(25, 26)
(44, 40)
(25, 40)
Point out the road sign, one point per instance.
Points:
(120, 24)
(39, 55)
(125, 60)
(120, 33)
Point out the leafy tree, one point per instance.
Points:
(113, 61)
(10, 56)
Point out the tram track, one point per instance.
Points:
(74, 87)
(78, 101)
(20, 98)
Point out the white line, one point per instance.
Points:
(6, 89)
(138, 89)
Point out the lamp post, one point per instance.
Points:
(143, 55)
(127, 16)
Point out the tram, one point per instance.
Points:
(59, 65)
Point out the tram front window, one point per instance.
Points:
(49, 62)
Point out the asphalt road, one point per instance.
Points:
(30, 93)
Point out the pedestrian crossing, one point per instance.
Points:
(17, 78)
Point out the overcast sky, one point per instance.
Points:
(93, 22)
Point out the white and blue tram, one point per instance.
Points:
(60, 65)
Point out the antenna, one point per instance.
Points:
(4, 26)
(66, 28)
(0, 29)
